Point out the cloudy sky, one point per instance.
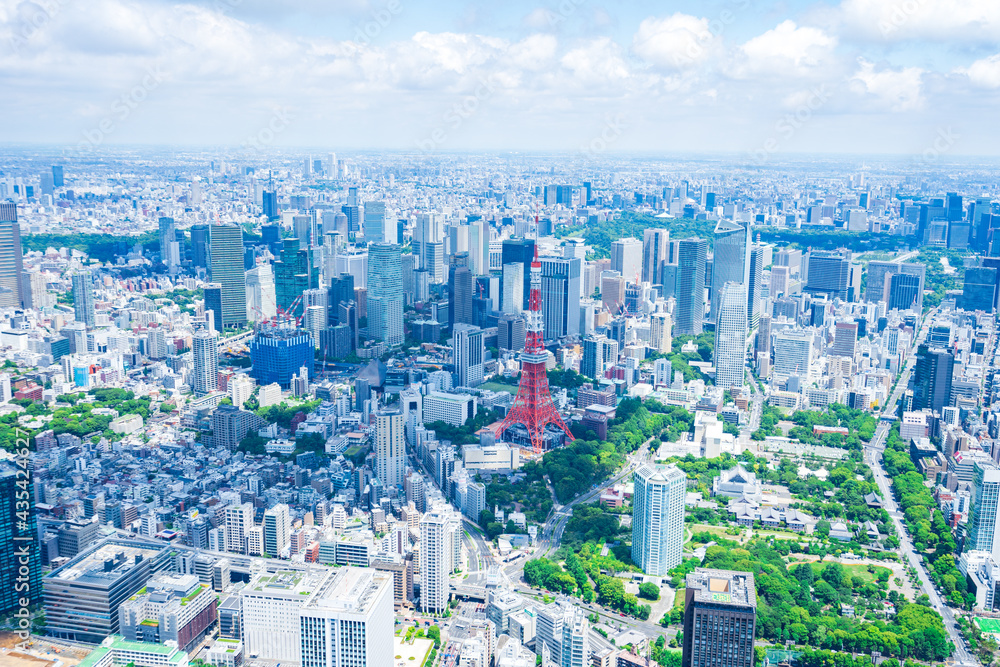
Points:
(856, 76)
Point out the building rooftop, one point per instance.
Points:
(723, 587)
(106, 564)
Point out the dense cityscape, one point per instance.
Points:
(497, 410)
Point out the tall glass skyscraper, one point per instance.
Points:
(227, 269)
(292, 276)
(83, 298)
(731, 263)
(658, 518)
(731, 336)
(10, 256)
(385, 293)
(19, 535)
(983, 510)
(691, 255)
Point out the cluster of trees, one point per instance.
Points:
(664, 656)
(600, 236)
(931, 534)
(796, 605)
(101, 247)
(548, 574)
(565, 377)
(822, 658)
(466, 433)
(283, 414)
(574, 468)
(591, 523)
(860, 424)
(830, 240)
(488, 522)
(530, 492)
(935, 279)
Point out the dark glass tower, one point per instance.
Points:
(691, 257)
(19, 535)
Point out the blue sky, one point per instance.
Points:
(737, 76)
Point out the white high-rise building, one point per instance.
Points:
(349, 621)
(239, 521)
(731, 336)
(240, 389)
(156, 343)
(469, 353)
(575, 649)
(626, 258)
(660, 327)
(319, 617)
(984, 529)
(205, 346)
(792, 354)
(277, 530)
(658, 518)
(390, 448)
(314, 322)
(513, 289)
(663, 372)
(261, 301)
(255, 541)
(436, 560)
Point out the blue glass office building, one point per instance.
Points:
(20, 557)
(278, 354)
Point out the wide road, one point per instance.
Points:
(962, 655)
(873, 456)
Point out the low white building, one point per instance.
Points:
(454, 409)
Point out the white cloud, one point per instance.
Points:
(598, 62)
(896, 90)
(984, 73)
(787, 50)
(934, 20)
(675, 42)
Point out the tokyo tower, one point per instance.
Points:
(533, 405)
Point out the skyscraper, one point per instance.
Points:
(513, 288)
(83, 298)
(20, 559)
(469, 354)
(731, 259)
(168, 234)
(58, 176)
(932, 378)
(293, 276)
(205, 348)
(979, 289)
(461, 284)
(654, 254)
(658, 518)
(390, 452)
(560, 296)
(720, 618)
(385, 293)
(983, 526)
(828, 274)
(378, 227)
(690, 308)
(277, 528)
(213, 304)
(793, 354)
(754, 285)
(518, 251)
(10, 257)
(278, 353)
(199, 245)
(437, 532)
(904, 291)
(227, 269)
(731, 336)
(626, 258)
(239, 521)
(341, 292)
(845, 339)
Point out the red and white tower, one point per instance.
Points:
(533, 405)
